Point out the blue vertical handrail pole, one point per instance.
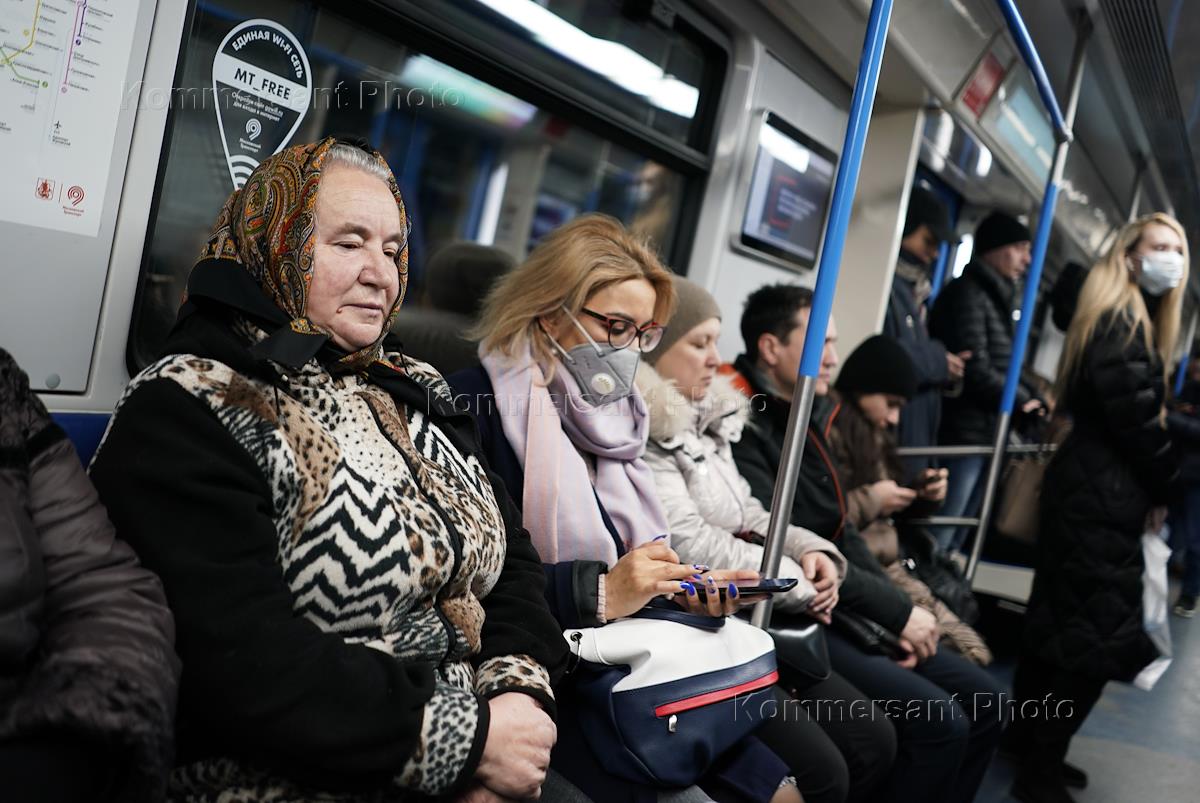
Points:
(1020, 35)
(1041, 242)
(859, 122)
(939, 273)
(1181, 374)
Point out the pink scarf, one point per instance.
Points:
(559, 502)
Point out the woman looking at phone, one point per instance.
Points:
(714, 519)
(565, 428)
(874, 384)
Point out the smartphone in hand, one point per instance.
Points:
(763, 586)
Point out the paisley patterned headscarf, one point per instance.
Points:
(268, 229)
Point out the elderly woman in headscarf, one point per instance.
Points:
(360, 614)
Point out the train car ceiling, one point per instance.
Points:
(951, 46)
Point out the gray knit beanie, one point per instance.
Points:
(694, 306)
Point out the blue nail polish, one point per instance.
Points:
(711, 582)
(689, 588)
(697, 577)
(661, 537)
(700, 567)
(733, 591)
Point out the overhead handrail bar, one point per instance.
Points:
(850, 163)
(1041, 242)
(974, 451)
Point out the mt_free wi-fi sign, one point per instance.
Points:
(262, 84)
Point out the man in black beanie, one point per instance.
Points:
(926, 227)
(975, 313)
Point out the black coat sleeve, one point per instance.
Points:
(1126, 384)
(259, 680)
(867, 590)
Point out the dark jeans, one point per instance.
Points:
(1185, 539)
(833, 732)
(948, 714)
(59, 768)
(1052, 704)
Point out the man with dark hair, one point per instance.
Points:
(975, 313)
(946, 746)
(926, 227)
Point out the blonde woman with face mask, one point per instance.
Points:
(1107, 484)
(565, 428)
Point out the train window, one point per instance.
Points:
(474, 161)
(645, 68)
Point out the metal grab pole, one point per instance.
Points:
(1034, 277)
(859, 122)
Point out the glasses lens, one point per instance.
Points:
(651, 338)
(620, 333)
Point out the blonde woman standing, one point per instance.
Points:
(1107, 484)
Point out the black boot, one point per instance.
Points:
(1014, 747)
(1040, 787)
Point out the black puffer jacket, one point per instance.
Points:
(85, 635)
(1085, 612)
(974, 313)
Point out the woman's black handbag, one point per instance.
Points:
(934, 568)
(801, 652)
(868, 635)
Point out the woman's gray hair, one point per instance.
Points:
(358, 159)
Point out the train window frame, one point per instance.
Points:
(759, 249)
(416, 26)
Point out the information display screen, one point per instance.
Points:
(789, 194)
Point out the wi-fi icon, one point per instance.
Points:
(240, 168)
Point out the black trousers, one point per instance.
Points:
(59, 767)
(948, 714)
(844, 739)
(1051, 706)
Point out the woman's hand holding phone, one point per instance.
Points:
(932, 484)
(717, 592)
(892, 497)
(651, 570)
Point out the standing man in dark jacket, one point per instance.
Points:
(1183, 422)
(88, 673)
(975, 313)
(925, 229)
(944, 748)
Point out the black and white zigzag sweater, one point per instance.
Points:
(349, 583)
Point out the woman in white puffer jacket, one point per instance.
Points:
(695, 413)
(713, 517)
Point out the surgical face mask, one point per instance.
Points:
(604, 374)
(1161, 271)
